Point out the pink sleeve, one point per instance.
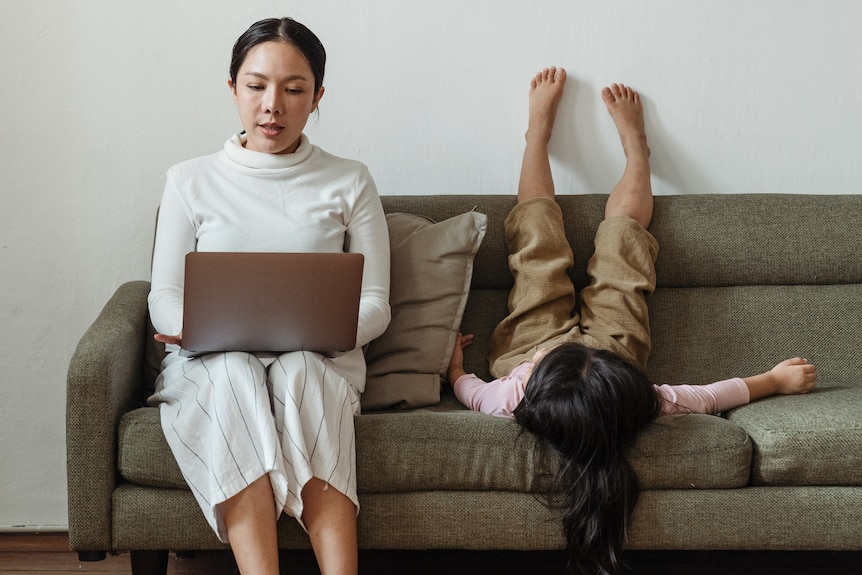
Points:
(467, 389)
(499, 397)
(713, 398)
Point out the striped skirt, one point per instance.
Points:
(231, 418)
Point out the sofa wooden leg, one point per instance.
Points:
(149, 562)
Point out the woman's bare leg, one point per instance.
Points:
(250, 518)
(632, 196)
(330, 517)
(546, 89)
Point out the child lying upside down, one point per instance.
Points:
(571, 368)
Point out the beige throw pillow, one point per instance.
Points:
(432, 266)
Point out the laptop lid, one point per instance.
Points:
(271, 302)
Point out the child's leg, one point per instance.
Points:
(542, 299)
(614, 311)
(536, 180)
(632, 196)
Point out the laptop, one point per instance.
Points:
(270, 302)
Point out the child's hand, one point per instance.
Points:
(456, 362)
(794, 376)
(542, 352)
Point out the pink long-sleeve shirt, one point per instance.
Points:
(501, 396)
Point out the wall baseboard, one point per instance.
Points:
(34, 529)
(34, 542)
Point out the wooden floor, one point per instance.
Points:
(49, 554)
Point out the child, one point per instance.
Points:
(573, 373)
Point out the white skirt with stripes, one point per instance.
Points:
(231, 418)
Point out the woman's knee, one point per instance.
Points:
(235, 362)
(295, 364)
(222, 370)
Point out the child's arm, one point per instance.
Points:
(788, 377)
(498, 397)
(791, 376)
(456, 362)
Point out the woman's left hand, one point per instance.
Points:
(170, 339)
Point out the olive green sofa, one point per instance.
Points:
(743, 282)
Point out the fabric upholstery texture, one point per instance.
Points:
(744, 281)
(814, 439)
(456, 449)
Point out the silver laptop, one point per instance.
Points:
(271, 302)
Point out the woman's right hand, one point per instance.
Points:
(170, 339)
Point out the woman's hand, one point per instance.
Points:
(169, 339)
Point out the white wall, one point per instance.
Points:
(99, 98)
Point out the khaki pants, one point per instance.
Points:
(544, 310)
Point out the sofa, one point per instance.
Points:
(744, 281)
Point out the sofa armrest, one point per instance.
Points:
(104, 381)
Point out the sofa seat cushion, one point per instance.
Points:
(446, 447)
(813, 439)
(692, 452)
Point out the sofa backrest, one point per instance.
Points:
(744, 281)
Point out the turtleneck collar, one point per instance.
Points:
(235, 150)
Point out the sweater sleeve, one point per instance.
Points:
(713, 398)
(369, 235)
(175, 237)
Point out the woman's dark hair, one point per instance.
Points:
(281, 30)
(588, 406)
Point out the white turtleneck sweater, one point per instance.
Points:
(242, 200)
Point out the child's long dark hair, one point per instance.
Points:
(588, 405)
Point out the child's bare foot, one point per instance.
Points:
(626, 110)
(546, 89)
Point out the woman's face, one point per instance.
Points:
(274, 92)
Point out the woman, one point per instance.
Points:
(256, 435)
(573, 373)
